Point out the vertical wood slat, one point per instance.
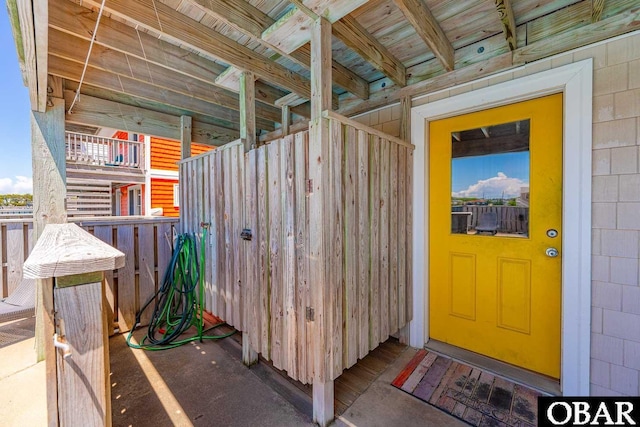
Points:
(409, 234)
(264, 245)
(275, 254)
(401, 235)
(15, 255)
(374, 242)
(252, 319)
(351, 339)
(146, 268)
(363, 244)
(384, 241)
(105, 233)
(126, 279)
(393, 241)
(336, 248)
(221, 237)
(237, 179)
(207, 247)
(304, 348)
(289, 255)
(227, 315)
(318, 162)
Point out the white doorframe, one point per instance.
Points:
(575, 81)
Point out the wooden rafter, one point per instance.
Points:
(68, 47)
(71, 71)
(251, 21)
(182, 30)
(94, 111)
(597, 6)
(420, 17)
(72, 19)
(505, 12)
(358, 38)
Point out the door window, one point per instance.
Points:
(490, 180)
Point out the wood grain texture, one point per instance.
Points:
(335, 208)
(505, 13)
(66, 249)
(320, 67)
(351, 339)
(185, 31)
(15, 251)
(126, 294)
(247, 110)
(358, 38)
(384, 240)
(364, 259)
(374, 242)
(428, 28)
(105, 234)
(263, 253)
(276, 262)
(393, 242)
(146, 270)
(84, 391)
(185, 137)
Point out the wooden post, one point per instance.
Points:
(323, 387)
(78, 390)
(49, 197)
(286, 119)
(405, 118)
(185, 137)
(248, 110)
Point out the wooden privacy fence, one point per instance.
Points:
(263, 286)
(146, 242)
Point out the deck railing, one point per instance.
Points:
(100, 151)
(146, 242)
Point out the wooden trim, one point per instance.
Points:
(218, 149)
(41, 40)
(427, 27)
(347, 121)
(27, 31)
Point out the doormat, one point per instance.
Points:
(473, 395)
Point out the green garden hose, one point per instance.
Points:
(179, 301)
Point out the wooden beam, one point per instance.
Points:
(180, 29)
(247, 110)
(71, 48)
(320, 67)
(427, 27)
(40, 24)
(71, 71)
(185, 137)
(291, 100)
(92, 111)
(27, 33)
(505, 12)
(251, 21)
(485, 146)
(597, 6)
(291, 31)
(616, 25)
(358, 38)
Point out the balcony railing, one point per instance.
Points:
(100, 151)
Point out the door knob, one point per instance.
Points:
(552, 252)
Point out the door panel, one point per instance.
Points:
(495, 191)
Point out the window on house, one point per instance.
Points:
(176, 195)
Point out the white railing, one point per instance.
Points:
(101, 151)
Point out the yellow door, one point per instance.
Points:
(495, 214)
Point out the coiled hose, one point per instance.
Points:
(177, 303)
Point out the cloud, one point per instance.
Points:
(19, 185)
(493, 187)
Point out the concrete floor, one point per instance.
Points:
(203, 384)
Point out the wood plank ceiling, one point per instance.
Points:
(154, 60)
